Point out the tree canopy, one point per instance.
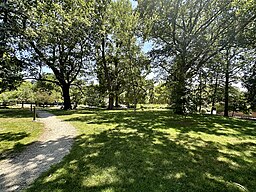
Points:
(199, 47)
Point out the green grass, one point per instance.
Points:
(152, 106)
(121, 151)
(17, 130)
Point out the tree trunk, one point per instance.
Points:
(179, 94)
(226, 85)
(180, 100)
(200, 91)
(66, 97)
(117, 100)
(111, 101)
(214, 95)
(134, 104)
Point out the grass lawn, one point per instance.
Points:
(154, 151)
(17, 130)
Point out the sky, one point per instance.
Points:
(134, 4)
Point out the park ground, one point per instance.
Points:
(17, 130)
(154, 151)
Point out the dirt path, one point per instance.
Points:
(18, 172)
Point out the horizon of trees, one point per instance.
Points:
(199, 48)
(154, 95)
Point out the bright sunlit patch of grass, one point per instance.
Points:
(17, 130)
(154, 151)
(101, 177)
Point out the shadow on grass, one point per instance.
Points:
(15, 113)
(20, 170)
(135, 156)
(9, 136)
(165, 119)
(12, 137)
(71, 112)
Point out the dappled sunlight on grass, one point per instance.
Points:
(17, 130)
(155, 151)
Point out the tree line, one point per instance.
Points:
(199, 47)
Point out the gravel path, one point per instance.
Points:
(18, 172)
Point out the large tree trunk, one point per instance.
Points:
(66, 97)
(179, 99)
(179, 93)
(111, 101)
(226, 84)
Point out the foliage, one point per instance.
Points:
(161, 94)
(186, 35)
(249, 82)
(25, 92)
(93, 96)
(120, 61)
(11, 21)
(195, 46)
(46, 92)
(59, 35)
(36, 92)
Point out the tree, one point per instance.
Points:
(59, 35)
(93, 96)
(117, 48)
(249, 82)
(136, 78)
(186, 35)
(231, 63)
(162, 93)
(11, 21)
(248, 41)
(237, 101)
(24, 93)
(46, 92)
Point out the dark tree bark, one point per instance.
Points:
(111, 101)
(117, 100)
(179, 91)
(66, 97)
(180, 98)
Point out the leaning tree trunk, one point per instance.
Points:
(66, 96)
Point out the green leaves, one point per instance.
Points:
(11, 23)
(188, 34)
